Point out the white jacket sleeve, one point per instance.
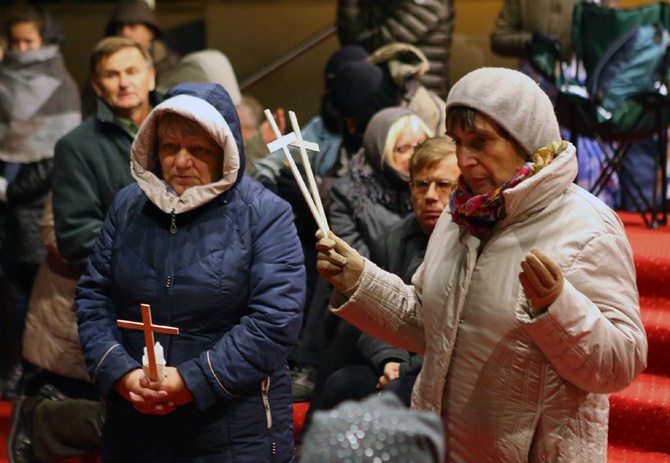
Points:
(387, 308)
(592, 334)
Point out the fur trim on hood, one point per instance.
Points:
(403, 60)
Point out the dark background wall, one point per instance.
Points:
(253, 33)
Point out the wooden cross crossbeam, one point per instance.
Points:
(149, 329)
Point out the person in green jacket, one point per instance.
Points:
(92, 162)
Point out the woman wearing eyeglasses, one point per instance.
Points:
(379, 366)
(374, 194)
(371, 197)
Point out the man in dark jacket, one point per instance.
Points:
(91, 164)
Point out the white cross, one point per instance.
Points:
(295, 139)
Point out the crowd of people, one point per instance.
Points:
(473, 301)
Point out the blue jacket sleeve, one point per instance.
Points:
(260, 344)
(100, 337)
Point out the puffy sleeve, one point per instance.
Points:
(260, 343)
(592, 334)
(101, 340)
(405, 21)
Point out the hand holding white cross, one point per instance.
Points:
(149, 328)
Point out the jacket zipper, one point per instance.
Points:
(265, 390)
(173, 222)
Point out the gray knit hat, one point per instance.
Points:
(512, 99)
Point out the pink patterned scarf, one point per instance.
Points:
(480, 213)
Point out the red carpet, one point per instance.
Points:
(5, 419)
(639, 428)
(640, 414)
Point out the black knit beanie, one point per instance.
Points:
(133, 12)
(361, 89)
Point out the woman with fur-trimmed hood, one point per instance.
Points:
(215, 255)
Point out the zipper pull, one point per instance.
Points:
(265, 390)
(173, 222)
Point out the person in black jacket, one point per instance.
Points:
(426, 24)
(381, 366)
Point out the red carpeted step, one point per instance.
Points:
(656, 319)
(299, 412)
(617, 454)
(5, 423)
(653, 275)
(640, 414)
(651, 250)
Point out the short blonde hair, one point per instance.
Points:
(410, 120)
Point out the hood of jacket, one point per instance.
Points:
(209, 105)
(404, 61)
(536, 192)
(374, 141)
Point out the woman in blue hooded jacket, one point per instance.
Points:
(215, 255)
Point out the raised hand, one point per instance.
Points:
(542, 280)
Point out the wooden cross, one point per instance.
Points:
(149, 328)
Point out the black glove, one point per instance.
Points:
(268, 183)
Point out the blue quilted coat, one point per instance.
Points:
(222, 262)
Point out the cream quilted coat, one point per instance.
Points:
(511, 388)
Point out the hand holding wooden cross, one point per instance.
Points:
(149, 328)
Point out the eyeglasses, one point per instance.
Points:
(441, 185)
(405, 151)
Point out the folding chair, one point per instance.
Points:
(639, 116)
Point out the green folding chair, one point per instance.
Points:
(636, 116)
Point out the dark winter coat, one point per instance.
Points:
(426, 24)
(91, 165)
(401, 252)
(372, 196)
(222, 262)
